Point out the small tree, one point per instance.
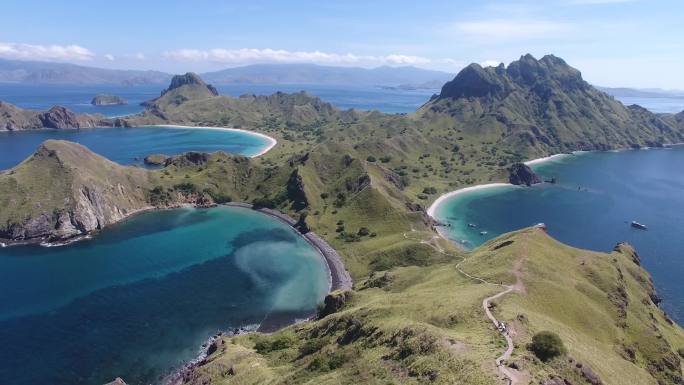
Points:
(371, 158)
(547, 345)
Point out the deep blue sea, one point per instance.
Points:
(597, 195)
(139, 299)
(130, 145)
(77, 98)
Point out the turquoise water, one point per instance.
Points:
(591, 206)
(139, 299)
(131, 145)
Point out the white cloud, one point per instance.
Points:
(140, 56)
(254, 55)
(109, 57)
(490, 63)
(44, 52)
(497, 30)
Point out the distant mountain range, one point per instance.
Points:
(642, 92)
(327, 75)
(32, 72)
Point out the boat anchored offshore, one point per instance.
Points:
(638, 225)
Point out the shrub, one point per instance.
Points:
(186, 187)
(429, 190)
(311, 346)
(266, 344)
(371, 159)
(259, 203)
(681, 352)
(324, 195)
(363, 231)
(547, 345)
(385, 159)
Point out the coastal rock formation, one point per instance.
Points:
(334, 302)
(522, 174)
(295, 191)
(155, 159)
(13, 118)
(107, 100)
(78, 191)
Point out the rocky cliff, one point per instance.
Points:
(13, 118)
(65, 190)
(522, 174)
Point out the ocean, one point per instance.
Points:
(140, 298)
(597, 195)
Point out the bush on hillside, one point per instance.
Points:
(371, 159)
(547, 346)
(259, 203)
(681, 352)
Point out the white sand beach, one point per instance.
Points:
(271, 141)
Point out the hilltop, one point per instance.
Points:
(362, 181)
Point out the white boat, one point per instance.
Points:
(638, 225)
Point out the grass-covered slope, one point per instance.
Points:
(426, 324)
(64, 190)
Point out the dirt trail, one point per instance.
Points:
(512, 376)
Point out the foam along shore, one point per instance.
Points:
(547, 158)
(271, 141)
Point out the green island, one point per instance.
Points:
(362, 181)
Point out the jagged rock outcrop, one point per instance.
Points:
(190, 158)
(295, 191)
(544, 106)
(522, 174)
(13, 118)
(189, 79)
(334, 302)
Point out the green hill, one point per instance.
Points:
(364, 180)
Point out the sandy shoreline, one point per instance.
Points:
(433, 207)
(271, 141)
(443, 197)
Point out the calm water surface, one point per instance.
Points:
(131, 145)
(139, 299)
(591, 206)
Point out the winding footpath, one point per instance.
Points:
(512, 377)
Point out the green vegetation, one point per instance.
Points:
(547, 346)
(412, 318)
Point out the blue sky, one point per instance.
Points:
(636, 43)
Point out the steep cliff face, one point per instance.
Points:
(65, 190)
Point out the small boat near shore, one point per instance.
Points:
(639, 226)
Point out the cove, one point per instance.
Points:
(130, 145)
(597, 195)
(139, 298)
